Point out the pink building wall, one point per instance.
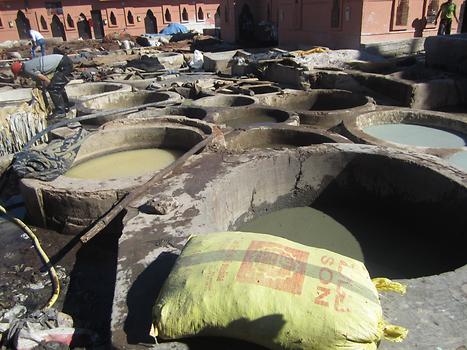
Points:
(379, 20)
(304, 23)
(120, 9)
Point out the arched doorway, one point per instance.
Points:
(84, 30)
(58, 30)
(97, 24)
(22, 25)
(150, 23)
(245, 24)
(217, 17)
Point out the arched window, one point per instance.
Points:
(69, 21)
(129, 17)
(402, 13)
(113, 19)
(168, 16)
(200, 14)
(336, 14)
(185, 15)
(226, 13)
(43, 23)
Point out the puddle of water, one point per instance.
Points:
(459, 159)
(124, 164)
(416, 135)
(257, 120)
(307, 226)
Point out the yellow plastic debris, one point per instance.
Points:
(394, 333)
(386, 285)
(311, 51)
(270, 291)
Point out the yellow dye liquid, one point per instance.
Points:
(124, 164)
(307, 226)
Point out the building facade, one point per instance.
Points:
(72, 19)
(335, 23)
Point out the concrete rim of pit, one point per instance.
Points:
(126, 99)
(79, 92)
(15, 96)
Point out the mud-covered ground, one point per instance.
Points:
(86, 272)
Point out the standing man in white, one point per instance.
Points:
(37, 40)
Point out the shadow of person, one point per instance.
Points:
(419, 24)
(92, 281)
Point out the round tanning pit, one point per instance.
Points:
(117, 158)
(15, 96)
(251, 117)
(321, 108)
(84, 91)
(427, 131)
(279, 137)
(189, 112)
(221, 100)
(125, 100)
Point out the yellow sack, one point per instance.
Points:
(270, 291)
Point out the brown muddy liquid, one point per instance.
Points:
(124, 164)
(257, 120)
(307, 226)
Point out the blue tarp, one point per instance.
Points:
(174, 28)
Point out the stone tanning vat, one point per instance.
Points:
(70, 204)
(321, 108)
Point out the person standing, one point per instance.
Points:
(447, 11)
(39, 69)
(37, 40)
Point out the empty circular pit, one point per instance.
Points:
(279, 137)
(251, 117)
(320, 107)
(98, 178)
(84, 91)
(263, 89)
(125, 100)
(224, 101)
(432, 132)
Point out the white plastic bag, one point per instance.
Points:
(197, 61)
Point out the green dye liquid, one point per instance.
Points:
(257, 120)
(124, 164)
(416, 135)
(307, 226)
(459, 159)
